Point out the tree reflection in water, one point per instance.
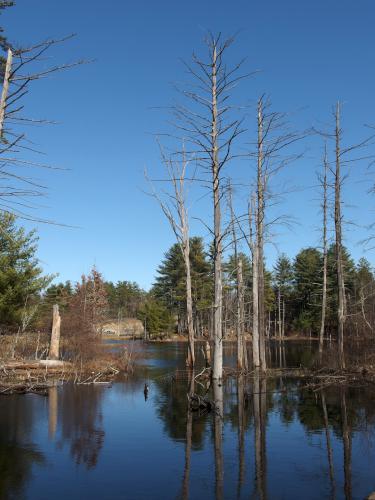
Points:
(218, 437)
(17, 453)
(81, 422)
(260, 417)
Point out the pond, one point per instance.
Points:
(273, 440)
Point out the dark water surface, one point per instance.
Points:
(276, 440)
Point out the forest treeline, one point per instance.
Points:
(293, 292)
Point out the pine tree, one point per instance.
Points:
(307, 268)
(283, 279)
(21, 279)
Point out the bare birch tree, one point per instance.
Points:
(343, 157)
(175, 210)
(273, 139)
(325, 251)
(242, 362)
(341, 309)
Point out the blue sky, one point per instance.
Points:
(310, 55)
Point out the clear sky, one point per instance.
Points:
(310, 53)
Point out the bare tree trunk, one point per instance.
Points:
(279, 312)
(256, 354)
(55, 335)
(255, 269)
(179, 222)
(240, 319)
(260, 239)
(338, 233)
(324, 291)
(189, 300)
(4, 93)
(217, 371)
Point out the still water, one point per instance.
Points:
(274, 439)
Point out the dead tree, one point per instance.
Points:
(255, 268)
(343, 157)
(174, 208)
(242, 362)
(211, 128)
(341, 307)
(325, 253)
(22, 69)
(260, 236)
(54, 350)
(273, 140)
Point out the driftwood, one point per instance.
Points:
(33, 365)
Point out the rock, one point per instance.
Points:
(126, 327)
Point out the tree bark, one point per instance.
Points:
(4, 93)
(189, 301)
(260, 240)
(338, 234)
(55, 335)
(217, 371)
(324, 291)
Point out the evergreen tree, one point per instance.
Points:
(283, 282)
(170, 287)
(124, 298)
(156, 317)
(307, 270)
(21, 279)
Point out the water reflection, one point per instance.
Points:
(267, 438)
(218, 437)
(81, 423)
(18, 454)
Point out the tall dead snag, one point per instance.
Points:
(175, 210)
(255, 283)
(273, 139)
(260, 238)
(325, 254)
(341, 306)
(54, 349)
(211, 129)
(23, 67)
(4, 93)
(343, 157)
(242, 363)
